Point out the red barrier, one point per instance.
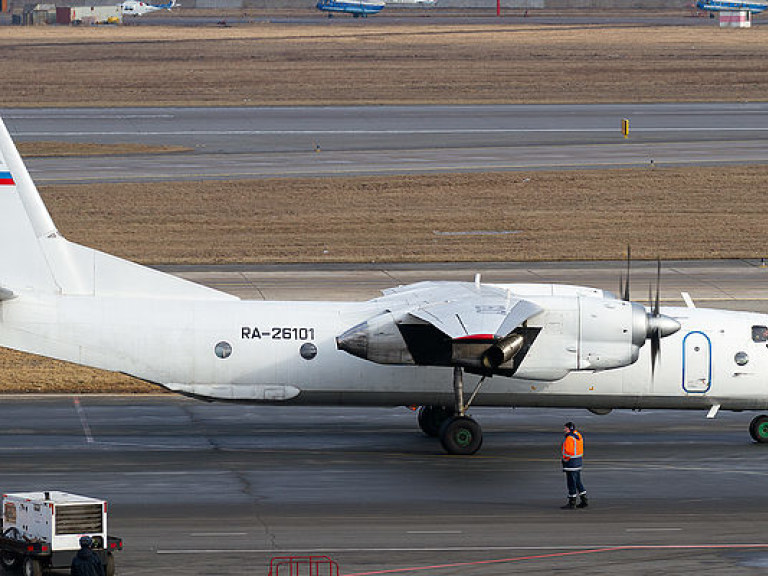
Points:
(303, 566)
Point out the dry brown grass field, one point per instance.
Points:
(379, 63)
(62, 149)
(696, 212)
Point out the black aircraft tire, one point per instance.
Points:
(431, 419)
(461, 435)
(758, 429)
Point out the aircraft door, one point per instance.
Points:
(697, 363)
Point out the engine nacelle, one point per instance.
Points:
(566, 334)
(378, 340)
(611, 333)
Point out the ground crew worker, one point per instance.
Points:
(86, 562)
(572, 455)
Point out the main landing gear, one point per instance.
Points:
(459, 434)
(758, 429)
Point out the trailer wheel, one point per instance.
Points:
(9, 560)
(109, 567)
(32, 567)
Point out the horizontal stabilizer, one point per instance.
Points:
(6, 294)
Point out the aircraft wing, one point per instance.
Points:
(461, 309)
(479, 318)
(439, 323)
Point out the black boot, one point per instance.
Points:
(570, 505)
(584, 502)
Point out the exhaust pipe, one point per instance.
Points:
(502, 351)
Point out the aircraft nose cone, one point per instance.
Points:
(354, 341)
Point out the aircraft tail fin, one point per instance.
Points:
(35, 258)
(24, 224)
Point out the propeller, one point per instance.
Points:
(624, 288)
(659, 325)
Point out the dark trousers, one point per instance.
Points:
(575, 487)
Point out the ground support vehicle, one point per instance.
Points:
(42, 531)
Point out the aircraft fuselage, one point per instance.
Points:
(254, 351)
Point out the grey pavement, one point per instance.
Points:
(731, 284)
(332, 141)
(198, 488)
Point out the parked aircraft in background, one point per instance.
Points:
(444, 346)
(355, 7)
(138, 8)
(363, 7)
(731, 6)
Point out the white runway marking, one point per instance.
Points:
(434, 532)
(57, 115)
(653, 529)
(83, 420)
(217, 534)
(602, 548)
(385, 132)
(346, 550)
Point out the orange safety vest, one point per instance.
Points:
(573, 445)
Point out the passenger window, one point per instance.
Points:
(759, 333)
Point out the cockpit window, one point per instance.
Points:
(759, 333)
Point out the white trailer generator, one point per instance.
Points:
(42, 530)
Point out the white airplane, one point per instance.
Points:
(712, 6)
(357, 8)
(414, 2)
(431, 344)
(138, 8)
(363, 8)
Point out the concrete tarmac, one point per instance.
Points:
(212, 489)
(730, 284)
(232, 143)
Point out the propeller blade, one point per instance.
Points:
(625, 291)
(656, 306)
(655, 350)
(660, 326)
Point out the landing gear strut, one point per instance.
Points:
(460, 434)
(758, 429)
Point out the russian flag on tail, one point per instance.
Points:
(6, 179)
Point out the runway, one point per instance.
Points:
(204, 489)
(408, 15)
(233, 143)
